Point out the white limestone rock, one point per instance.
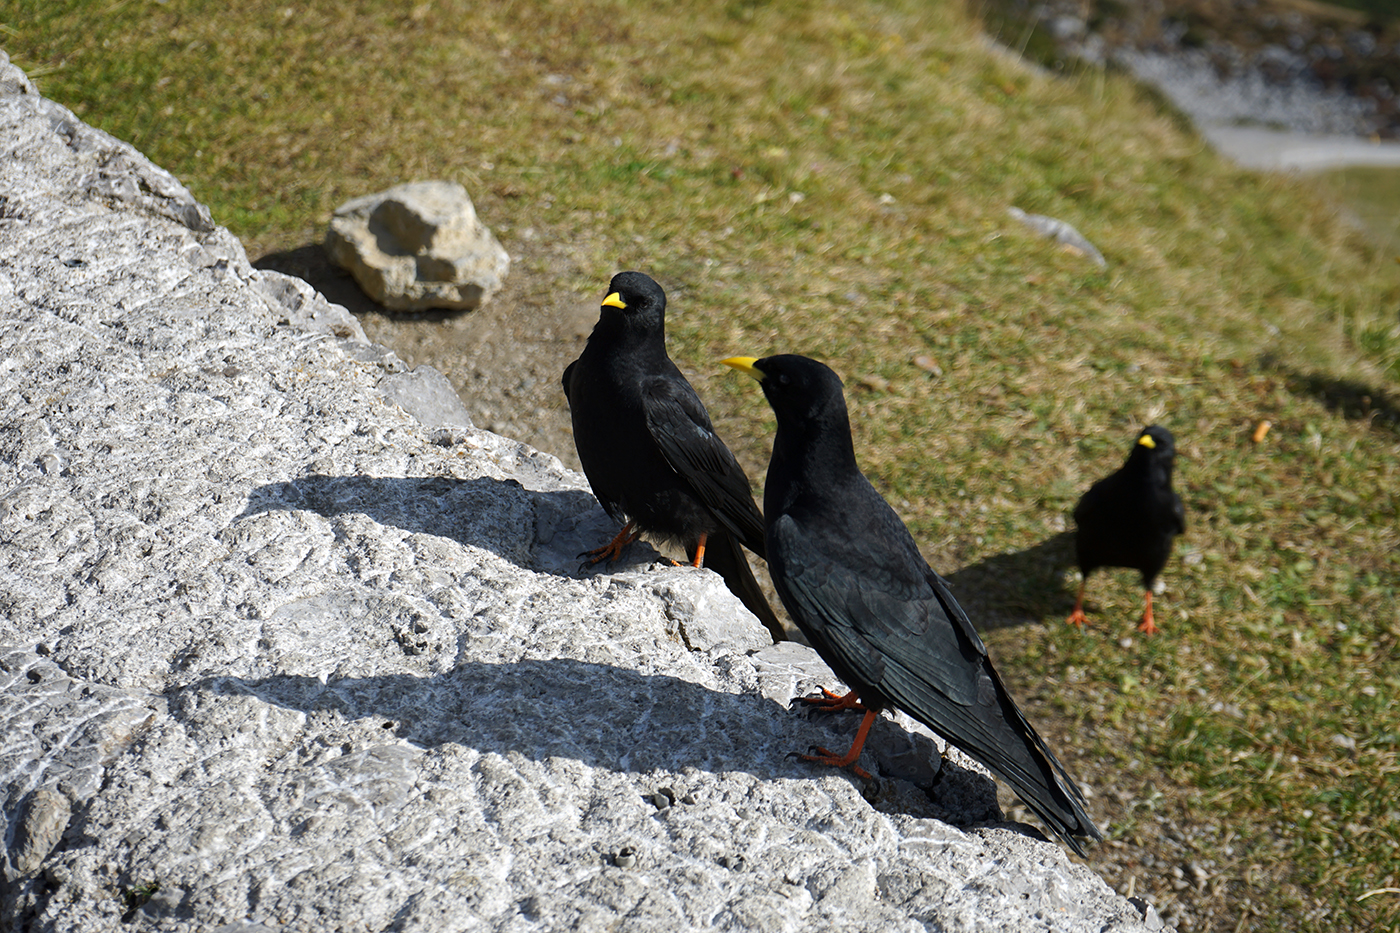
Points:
(1064, 234)
(428, 396)
(418, 246)
(274, 654)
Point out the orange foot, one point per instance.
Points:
(1146, 626)
(830, 702)
(699, 559)
(1077, 617)
(826, 757)
(613, 549)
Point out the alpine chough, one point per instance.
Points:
(1128, 519)
(649, 450)
(853, 580)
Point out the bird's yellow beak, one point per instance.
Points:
(1147, 441)
(614, 301)
(745, 364)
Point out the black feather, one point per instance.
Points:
(853, 580)
(1130, 517)
(647, 445)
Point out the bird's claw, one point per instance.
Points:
(1078, 618)
(814, 753)
(610, 551)
(828, 702)
(825, 756)
(591, 559)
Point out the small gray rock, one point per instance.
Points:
(1150, 918)
(418, 246)
(1061, 232)
(45, 817)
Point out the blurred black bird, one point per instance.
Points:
(649, 450)
(1128, 519)
(853, 580)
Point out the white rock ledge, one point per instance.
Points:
(280, 656)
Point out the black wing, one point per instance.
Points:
(1178, 513)
(681, 428)
(1096, 501)
(867, 602)
(568, 378)
(883, 619)
(874, 605)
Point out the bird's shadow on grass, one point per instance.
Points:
(537, 530)
(1354, 401)
(1018, 588)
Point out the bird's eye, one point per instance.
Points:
(783, 379)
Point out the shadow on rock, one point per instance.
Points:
(541, 531)
(1019, 588)
(600, 715)
(621, 720)
(311, 264)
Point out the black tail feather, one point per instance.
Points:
(725, 557)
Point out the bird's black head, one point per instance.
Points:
(812, 449)
(636, 300)
(1153, 453)
(799, 388)
(807, 399)
(1156, 443)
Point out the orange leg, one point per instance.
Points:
(699, 558)
(613, 549)
(1146, 625)
(1077, 617)
(825, 757)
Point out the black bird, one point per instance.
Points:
(855, 583)
(649, 450)
(1128, 519)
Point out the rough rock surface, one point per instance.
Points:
(279, 655)
(418, 246)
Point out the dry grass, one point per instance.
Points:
(833, 178)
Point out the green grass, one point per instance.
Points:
(1380, 10)
(1373, 194)
(1370, 197)
(833, 178)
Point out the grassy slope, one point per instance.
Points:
(833, 178)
